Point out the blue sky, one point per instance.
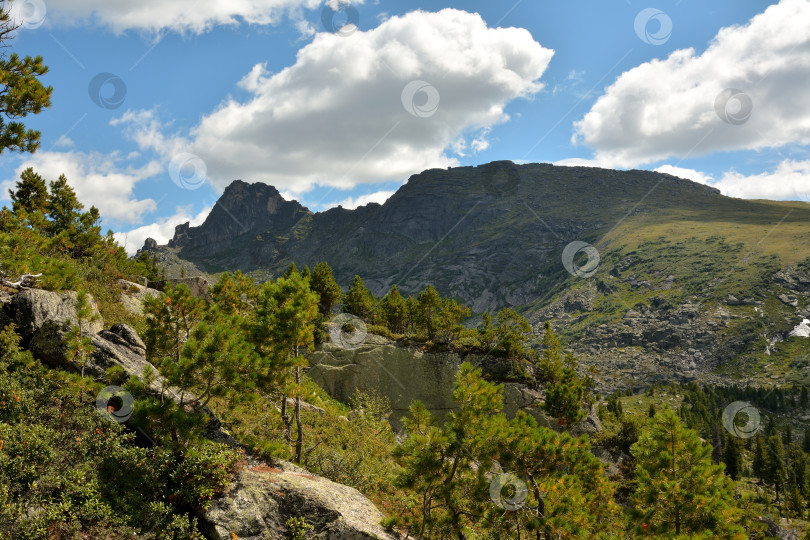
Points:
(159, 104)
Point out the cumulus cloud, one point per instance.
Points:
(582, 162)
(99, 180)
(174, 15)
(161, 230)
(689, 174)
(673, 107)
(378, 197)
(337, 117)
(789, 180)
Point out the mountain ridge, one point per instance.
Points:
(689, 283)
(426, 209)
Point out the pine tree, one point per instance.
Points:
(512, 332)
(358, 300)
(806, 440)
(412, 318)
(29, 199)
(79, 344)
(803, 400)
(170, 319)
(449, 319)
(198, 349)
(797, 468)
(758, 459)
(429, 303)
(437, 462)
(394, 311)
(680, 490)
(285, 326)
(794, 503)
(235, 294)
(64, 207)
(787, 437)
(775, 473)
(567, 494)
(717, 444)
(292, 269)
(215, 361)
(564, 400)
(558, 487)
(324, 285)
(21, 92)
(732, 457)
(651, 411)
(770, 426)
(486, 334)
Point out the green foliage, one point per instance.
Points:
(437, 462)
(235, 294)
(564, 389)
(393, 311)
(324, 285)
(446, 466)
(429, 303)
(21, 93)
(358, 300)
(680, 490)
(67, 471)
(298, 528)
(203, 473)
(733, 457)
(774, 471)
(512, 332)
(284, 329)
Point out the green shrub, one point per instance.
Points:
(203, 473)
(298, 528)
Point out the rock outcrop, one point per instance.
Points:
(44, 318)
(32, 309)
(133, 295)
(198, 286)
(405, 374)
(263, 497)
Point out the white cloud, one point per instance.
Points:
(581, 162)
(145, 129)
(99, 180)
(161, 230)
(378, 197)
(175, 15)
(336, 117)
(64, 142)
(666, 108)
(689, 174)
(790, 180)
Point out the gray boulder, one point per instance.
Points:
(44, 318)
(32, 309)
(774, 530)
(263, 497)
(5, 299)
(133, 295)
(118, 346)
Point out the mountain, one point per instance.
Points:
(688, 282)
